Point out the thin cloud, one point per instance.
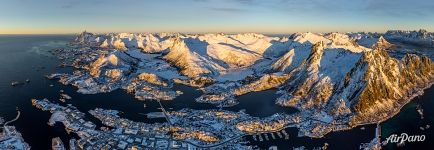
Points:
(401, 8)
(78, 3)
(70, 4)
(244, 1)
(395, 8)
(227, 9)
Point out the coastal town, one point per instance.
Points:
(184, 129)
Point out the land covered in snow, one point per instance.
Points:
(186, 128)
(335, 80)
(10, 138)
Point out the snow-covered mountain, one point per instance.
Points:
(87, 38)
(421, 37)
(192, 60)
(374, 42)
(336, 78)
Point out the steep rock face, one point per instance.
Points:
(354, 86)
(317, 70)
(382, 44)
(308, 82)
(335, 89)
(390, 83)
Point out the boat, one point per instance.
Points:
(57, 144)
(266, 137)
(260, 138)
(279, 134)
(272, 148)
(272, 136)
(15, 83)
(420, 111)
(285, 134)
(144, 105)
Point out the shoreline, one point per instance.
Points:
(420, 92)
(410, 98)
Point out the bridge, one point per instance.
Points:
(164, 112)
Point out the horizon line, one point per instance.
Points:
(212, 32)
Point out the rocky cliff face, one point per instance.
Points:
(191, 63)
(373, 88)
(389, 84)
(382, 44)
(342, 83)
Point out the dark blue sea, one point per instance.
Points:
(28, 57)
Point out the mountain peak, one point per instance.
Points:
(309, 38)
(382, 44)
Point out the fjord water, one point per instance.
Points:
(27, 57)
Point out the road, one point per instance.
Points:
(15, 119)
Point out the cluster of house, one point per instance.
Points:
(128, 137)
(185, 129)
(10, 138)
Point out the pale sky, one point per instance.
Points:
(198, 16)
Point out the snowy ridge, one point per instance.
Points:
(192, 61)
(421, 37)
(338, 79)
(382, 44)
